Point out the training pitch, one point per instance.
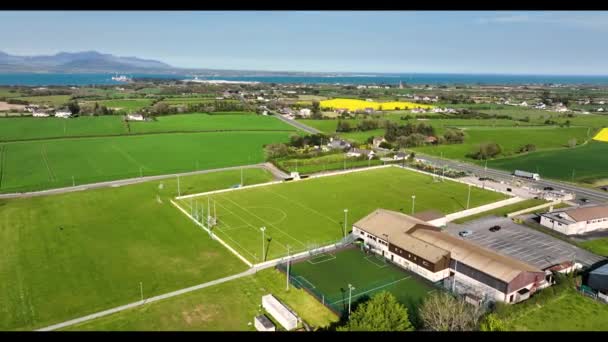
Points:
(327, 276)
(301, 215)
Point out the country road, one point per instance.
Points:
(580, 192)
(278, 174)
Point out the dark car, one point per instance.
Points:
(509, 189)
(548, 188)
(495, 228)
(584, 200)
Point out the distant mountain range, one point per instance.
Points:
(96, 62)
(87, 61)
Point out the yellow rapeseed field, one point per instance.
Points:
(602, 135)
(354, 104)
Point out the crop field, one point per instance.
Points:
(51, 100)
(128, 105)
(8, 92)
(566, 164)
(229, 306)
(309, 213)
(328, 275)
(56, 163)
(602, 135)
(207, 122)
(510, 140)
(355, 104)
(40, 128)
(325, 163)
(69, 255)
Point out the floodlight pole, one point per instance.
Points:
(350, 293)
(345, 219)
(413, 203)
(288, 262)
(73, 181)
(241, 176)
(469, 197)
(179, 193)
(141, 172)
(141, 290)
(263, 229)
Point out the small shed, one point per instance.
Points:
(262, 323)
(598, 279)
(281, 313)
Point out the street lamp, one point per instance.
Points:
(263, 229)
(345, 219)
(350, 293)
(413, 202)
(469, 197)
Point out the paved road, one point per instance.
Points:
(581, 192)
(276, 172)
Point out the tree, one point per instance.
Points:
(381, 313)
(73, 107)
(386, 145)
(316, 110)
(343, 126)
(440, 311)
(485, 151)
(572, 142)
(491, 322)
(454, 136)
(367, 125)
(275, 151)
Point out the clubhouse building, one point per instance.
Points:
(578, 220)
(424, 249)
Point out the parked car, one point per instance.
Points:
(509, 189)
(494, 228)
(465, 233)
(584, 200)
(548, 188)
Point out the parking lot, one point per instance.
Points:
(516, 188)
(522, 243)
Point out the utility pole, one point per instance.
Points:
(73, 181)
(345, 219)
(141, 290)
(141, 172)
(241, 176)
(179, 193)
(350, 293)
(573, 171)
(469, 197)
(263, 229)
(413, 202)
(288, 262)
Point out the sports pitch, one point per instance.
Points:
(328, 276)
(310, 213)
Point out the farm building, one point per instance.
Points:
(32, 108)
(281, 313)
(377, 141)
(578, 220)
(357, 152)
(424, 249)
(262, 323)
(40, 114)
(63, 113)
(305, 112)
(598, 281)
(135, 117)
(335, 144)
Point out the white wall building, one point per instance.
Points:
(64, 114)
(281, 313)
(135, 117)
(305, 112)
(578, 220)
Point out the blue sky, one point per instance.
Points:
(455, 42)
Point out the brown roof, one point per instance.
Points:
(382, 221)
(429, 215)
(497, 265)
(588, 213)
(418, 247)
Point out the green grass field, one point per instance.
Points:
(51, 100)
(328, 275)
(41, 128)
(570, 311)
(206, 122)
(229, 306)
(510, 140)
(309, 213)
(47, 164)
(598, 246)
(566, 164)
(69, 255)
(325, 163)
(128, 105)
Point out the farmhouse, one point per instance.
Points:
(305, 112)
(40, 114)
(356, 152)
(424, 249)
(63, 113)
(335, 144)
(135, 117)
(430, 139)
(32, 108)
(578, 220)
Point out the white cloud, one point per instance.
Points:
(574, 19)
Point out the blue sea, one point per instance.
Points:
(37, 79)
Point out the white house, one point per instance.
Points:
(305, 112)
(32, 108)
(135, 117)
(377, 141)
(356, 152)
(63, 113)
(576, 221)
(524, 104)
(418, 110)
(40, 114)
